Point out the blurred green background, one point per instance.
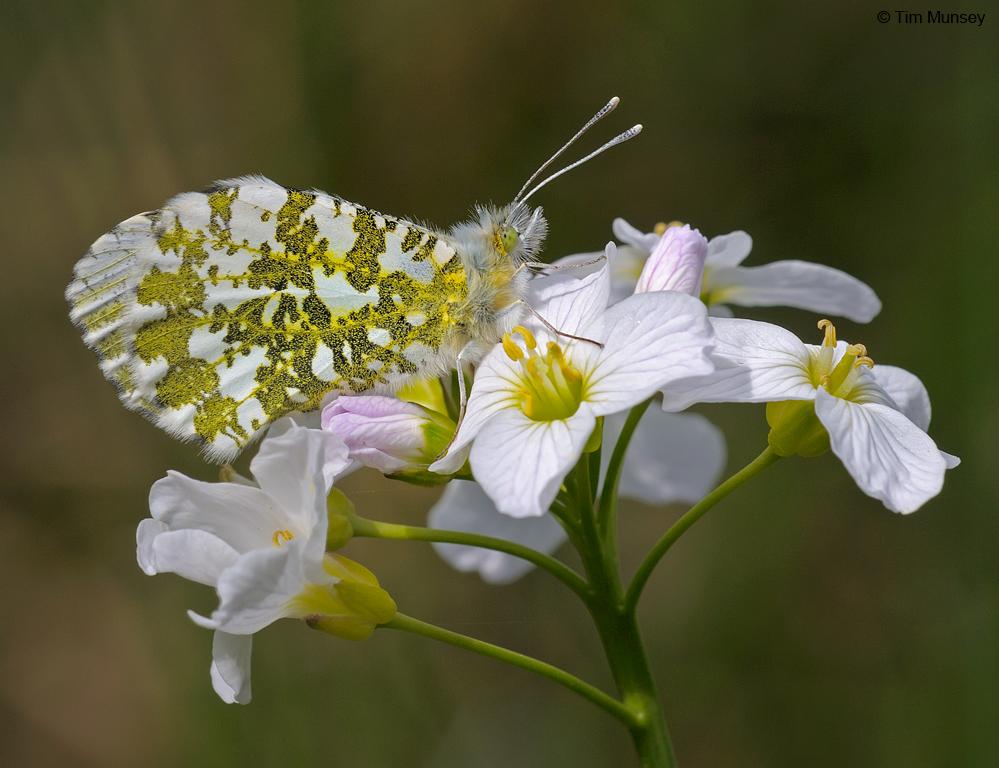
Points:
(799, 624)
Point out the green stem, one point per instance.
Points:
(395, 532)
(618, 630)
(691, 516)
(629, 665)
(560, 676)
(608, 497)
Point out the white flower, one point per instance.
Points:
(791, 283)
(671, 458)
(535, 403)
(261, 546)
(873, 417)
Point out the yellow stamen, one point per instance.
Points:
(282, 536)
(662, 226)
(550, 387)
(864, 360)
(513, 351)
(830, 333)
(528, 337)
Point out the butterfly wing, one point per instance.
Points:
(225, 310)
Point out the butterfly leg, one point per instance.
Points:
(537, 315)
(462, 395)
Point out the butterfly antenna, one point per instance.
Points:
(619, 139)
(602, 113)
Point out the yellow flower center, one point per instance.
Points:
(838, 379)
(550, 388)
(282, 536)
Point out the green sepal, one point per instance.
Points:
(795, 430)
(352, 607)
(339, 510)
(596, 437)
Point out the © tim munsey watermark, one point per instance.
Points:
(931, 17)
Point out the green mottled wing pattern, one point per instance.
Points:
(225, 310)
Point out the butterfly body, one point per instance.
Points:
(225, 310)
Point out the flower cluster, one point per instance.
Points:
(651, 323)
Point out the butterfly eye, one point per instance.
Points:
(509, 238)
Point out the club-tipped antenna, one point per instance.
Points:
(619, 139)
(602, 113)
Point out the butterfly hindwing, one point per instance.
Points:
(224, 310)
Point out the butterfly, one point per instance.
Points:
(226, 309)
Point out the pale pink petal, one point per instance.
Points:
(676, 263)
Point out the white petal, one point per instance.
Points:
(231, 667)
(521, 463)
(950, 459)
(625, 263)
(672, 456)
(257, 589)
(907, 391)
(570, 305)
(297, 467)
(145, 535)
(192, 554)
(729, 250)
(493, 390)
(889, 457)
(242, 516)
(464, 506)
(633, 236)
(650, 340)
(799, 284)
(754, 363)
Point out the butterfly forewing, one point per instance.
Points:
(225, 310)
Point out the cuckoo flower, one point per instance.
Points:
(873, 417)
(537, 396)
(725, 282)
(672, 457)
(261, 545)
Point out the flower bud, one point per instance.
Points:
(352, 607)
(795, 429)
(676, 263)
(388, 434)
